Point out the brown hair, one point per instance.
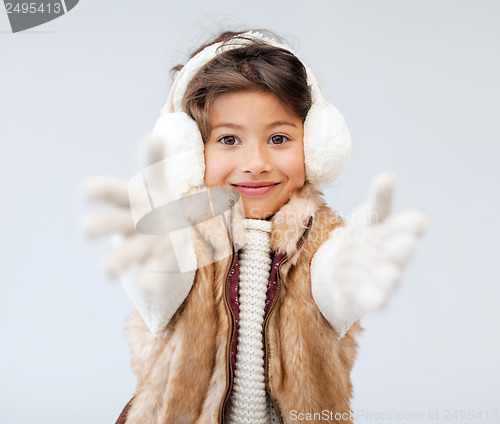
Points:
(256, 66)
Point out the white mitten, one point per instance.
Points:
(145, 263)
(360, 265)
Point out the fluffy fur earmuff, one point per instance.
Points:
(327, 139)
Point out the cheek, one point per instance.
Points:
(209, 167)
(295, 171)
(215, 168)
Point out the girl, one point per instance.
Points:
(265, 331)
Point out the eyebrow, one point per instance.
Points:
(273, 124)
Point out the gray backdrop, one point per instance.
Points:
(417, 81)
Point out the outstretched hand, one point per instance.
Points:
(371, 251)
(135, 248)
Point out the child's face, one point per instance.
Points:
(256, 147)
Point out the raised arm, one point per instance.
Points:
(359, 266)
(145, 263)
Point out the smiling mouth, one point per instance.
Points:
(255, 189)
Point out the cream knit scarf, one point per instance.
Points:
(249, 401)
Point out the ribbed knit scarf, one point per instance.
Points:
(249, 401)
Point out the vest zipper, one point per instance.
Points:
(229, 374)
(229, 384)
(275, 300)
(266, 354)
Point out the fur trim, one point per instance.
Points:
(289, 223)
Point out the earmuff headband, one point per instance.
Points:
(327, 140)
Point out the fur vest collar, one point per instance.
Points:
(184, 372)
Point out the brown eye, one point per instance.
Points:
(278, 139)
(228, 140)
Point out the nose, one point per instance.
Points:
(255, 159)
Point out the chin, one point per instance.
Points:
(258, 213)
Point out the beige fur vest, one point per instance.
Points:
(183, 372)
